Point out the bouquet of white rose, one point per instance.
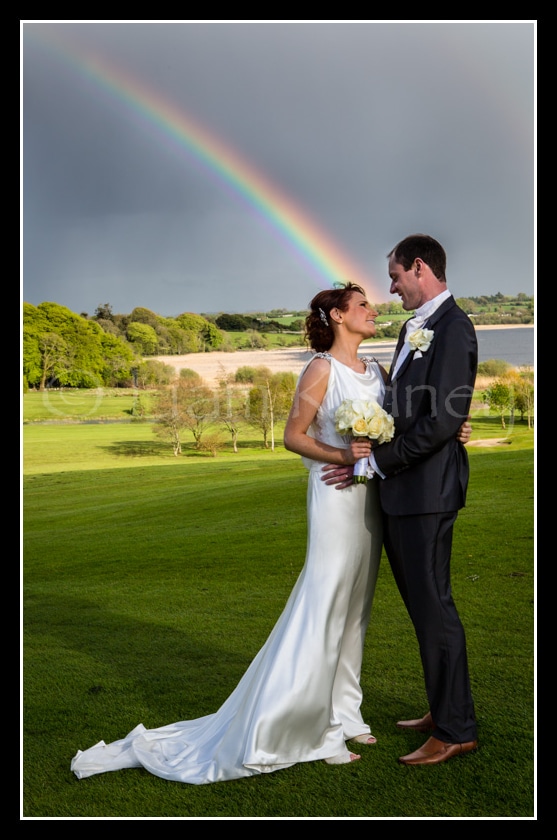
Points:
(364, 418)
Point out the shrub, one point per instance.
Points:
(151, 373)
(493, 367)
(191, 375)
(245, 374)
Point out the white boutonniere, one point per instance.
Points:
(420, 340)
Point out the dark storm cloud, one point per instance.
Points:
(376, 129)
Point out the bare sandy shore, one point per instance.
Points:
(213, 367)
(504, 326)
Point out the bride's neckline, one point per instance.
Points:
(352, 367)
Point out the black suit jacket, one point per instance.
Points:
(426, 468)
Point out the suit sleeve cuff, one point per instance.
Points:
(374, 468)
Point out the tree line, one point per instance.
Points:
(64, 349)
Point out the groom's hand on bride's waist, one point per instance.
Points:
(339, 476)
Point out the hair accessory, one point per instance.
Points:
(323, 317)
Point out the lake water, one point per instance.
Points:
(515, 345)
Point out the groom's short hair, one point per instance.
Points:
(426, 248)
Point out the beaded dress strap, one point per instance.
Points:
(367, 360)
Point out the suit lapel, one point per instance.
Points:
(398, 348)
(405, 364)
(428, 324)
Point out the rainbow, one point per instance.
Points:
(328, 262)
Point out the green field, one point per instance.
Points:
(150, 582)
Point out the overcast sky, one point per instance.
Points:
(208, 166)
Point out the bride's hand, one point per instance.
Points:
(465, 432)
(360, 447)
(341, 476)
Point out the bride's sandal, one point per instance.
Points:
(343, 758)
(368, 738)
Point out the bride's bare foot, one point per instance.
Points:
(343, 758)
(368, 738)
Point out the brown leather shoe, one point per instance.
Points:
(435, 751)
(424, 724)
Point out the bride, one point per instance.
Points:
(300, 698)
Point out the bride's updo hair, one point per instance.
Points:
(318, 325)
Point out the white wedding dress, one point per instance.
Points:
(299, 700)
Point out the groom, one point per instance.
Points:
(423, 478)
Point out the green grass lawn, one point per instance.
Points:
(150, 582)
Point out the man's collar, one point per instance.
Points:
(427, 309)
